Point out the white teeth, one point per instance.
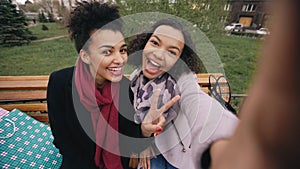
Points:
(115, 69)
(154, 63)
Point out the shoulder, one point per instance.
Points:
(63, 73)
(60, 78)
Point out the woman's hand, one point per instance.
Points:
(145, 157)
(154, 121)
(134, 160)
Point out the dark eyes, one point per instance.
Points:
(172, 53)
(123, 51)
(154, 42)
(108, 52)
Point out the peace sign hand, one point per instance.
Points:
(154, 121)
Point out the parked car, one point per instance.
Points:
(263, 31)
(238, 29)
(232, 26)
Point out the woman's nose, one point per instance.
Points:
(119, 58)
(159, 54)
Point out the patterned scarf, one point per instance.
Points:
(143, 90)
(102, 104)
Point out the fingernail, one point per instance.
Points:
(159, 129)
(155, 134)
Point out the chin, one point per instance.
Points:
(116, 78)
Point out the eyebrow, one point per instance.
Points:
(174, 47)
(110, 46)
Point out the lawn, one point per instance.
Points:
(237, 54)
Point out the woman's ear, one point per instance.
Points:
(84, 56)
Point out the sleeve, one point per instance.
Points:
(57, 114)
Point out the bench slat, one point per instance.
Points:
(23, 95)
(23, 78)
(28, 107)
(203, 78)
(24, 85)
(43, 117)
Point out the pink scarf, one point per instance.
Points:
(105, 123)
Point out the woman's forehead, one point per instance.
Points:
(107, 36)
(170, 32)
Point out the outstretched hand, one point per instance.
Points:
(154, 121)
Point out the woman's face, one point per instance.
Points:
(106, 56)
(162, 51)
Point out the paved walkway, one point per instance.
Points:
(52, 38)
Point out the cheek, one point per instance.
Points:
(171, 60)
(125, 58)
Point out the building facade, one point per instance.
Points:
(251, 13)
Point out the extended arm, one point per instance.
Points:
(268, 134)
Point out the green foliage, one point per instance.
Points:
(42, 17)
(13, 24)
(205, 14)
(50, 16)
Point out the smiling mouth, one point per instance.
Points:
(152, 65)
(116, 71)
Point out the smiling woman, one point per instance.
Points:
(106, 54)
(168, 64)
(84, 100)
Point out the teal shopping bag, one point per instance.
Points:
(26, 143)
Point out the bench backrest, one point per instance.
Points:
(28, 93)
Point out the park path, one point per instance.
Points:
(52, 38)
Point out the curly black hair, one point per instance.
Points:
(188, 56)
(89, 16)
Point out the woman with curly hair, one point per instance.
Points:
(90, 114)
(197, 122)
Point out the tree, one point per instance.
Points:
(206, 14)
(42, 17)
(13, 24)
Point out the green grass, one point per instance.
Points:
(38, 58)
(239, 56)
(54, 29)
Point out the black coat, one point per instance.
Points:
(76, 146)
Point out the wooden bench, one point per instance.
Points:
(28, 93)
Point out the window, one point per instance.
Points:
(227, 7)
(249, 8)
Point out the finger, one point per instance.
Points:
(144, 163)
(148, 162)
(155, 98)
(161, 123)
(135, 162)
(153, 152)
(169, 104)
(130, 163)
(148, 129)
